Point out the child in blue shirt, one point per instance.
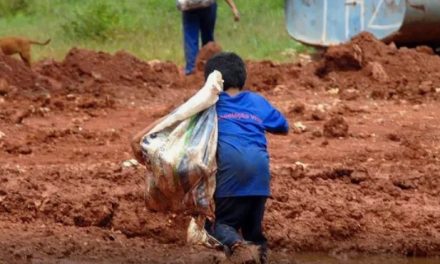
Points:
(243, 177)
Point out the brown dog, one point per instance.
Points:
(22, 46)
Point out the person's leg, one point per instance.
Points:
(227, 219)
(207, 23)
(191, 26)
(251, 227)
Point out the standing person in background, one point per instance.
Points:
(199, 17)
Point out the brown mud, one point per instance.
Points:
(205, 53)
(361, 176)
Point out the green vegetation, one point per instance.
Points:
(150, 29)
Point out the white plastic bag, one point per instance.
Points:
(181, 153)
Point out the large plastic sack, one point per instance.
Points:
(181, 154)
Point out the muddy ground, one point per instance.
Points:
(359, 174)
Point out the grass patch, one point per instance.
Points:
(98, 22)
(13, 7)
(149, 29)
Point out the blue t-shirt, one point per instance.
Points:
(242, 158)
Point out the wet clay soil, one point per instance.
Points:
(359, 174)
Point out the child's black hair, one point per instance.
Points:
(231, 67)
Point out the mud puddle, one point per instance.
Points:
(319, 258)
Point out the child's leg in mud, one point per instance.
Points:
(228, 215)
(251, 228)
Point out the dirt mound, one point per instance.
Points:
(83, 81)
(267, 75)
(381, 70)
(86, 66)
(205, 53)
(14, 72)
